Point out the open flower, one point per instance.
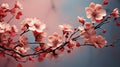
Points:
(39, 36)
(88, 30)
(26, 23)
(22, 50)
(95, 12)
(23, 40)
(33, 24)
(55, 40)
(7, 28)
(89, 34)
(18, 5)
(88, 25)
(37, 25)
(65, 28)
(4, 27)
(99, 42)
(5, 6)
(115, 13)
(13, 30)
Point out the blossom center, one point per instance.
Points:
(36, 26)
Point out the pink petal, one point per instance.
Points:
(92, 5)
(102, 12)
(88, 15)
(98, 6)
(89, 10)
(99, 17)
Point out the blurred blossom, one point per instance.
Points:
(23, 40)
(99, 41)
(4, 27)
(65, 28)
(18, 5)
(55, 40)
(81, 20)
(14, 30)
(115, 13)
(5, 6)
(39, 36)
(22, 50)
(33, 24)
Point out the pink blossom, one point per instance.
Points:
(90, 37)
(99, 41)
(88, 34)
(37, 25)
(39, 36)
(65, 28)
(115, 13)
(81, 20)
(71, 44)
(18, 5)
(13, 30)
(88, 30)
(7, 27)
(19, 14)
(22, 50)
(33, 24)
(95, 12)
(13, 11)
(2, 37)
(86, 41)
(23, 40)
(81, 28)
(52, 56)
(88, 25)
(4, 27)
(5, 6)
(55, 40)
(26, 23)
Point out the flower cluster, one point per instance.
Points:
(89, 34)
(33, 24)
(55, 40)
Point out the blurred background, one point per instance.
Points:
(55, 12)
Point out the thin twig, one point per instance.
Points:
(24, 32)
(11, 18)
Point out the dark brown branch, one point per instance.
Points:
(74, 32)
(100, 24)
(24, 32)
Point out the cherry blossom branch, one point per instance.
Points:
(43, 51)
(56, 43)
